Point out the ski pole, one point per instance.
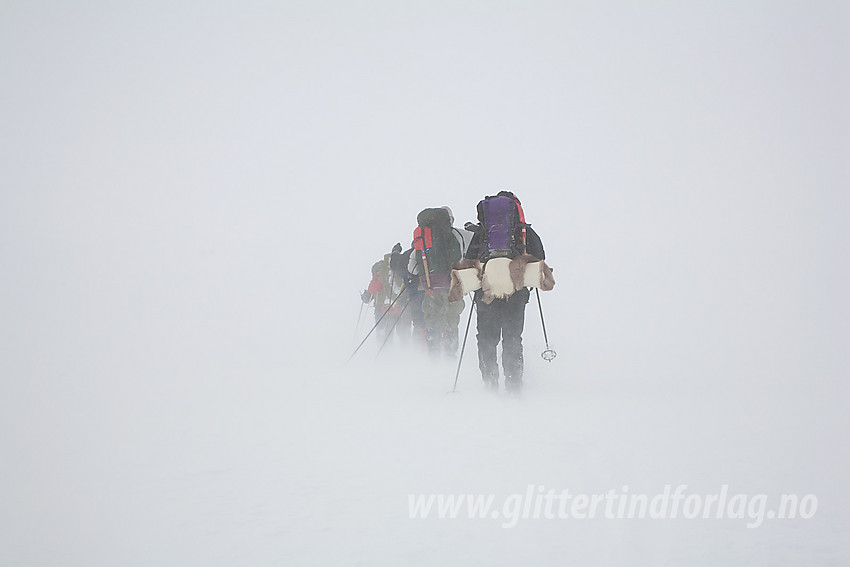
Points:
(465, 335)
(390, 332)
(548, 354)
(427, 275)
(375, 326)
(422, 243)
(359, 317)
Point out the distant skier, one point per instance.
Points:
(508, 244)
(409, 305)
(436, 246)
(383, 289)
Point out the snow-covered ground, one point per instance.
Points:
(255, 466)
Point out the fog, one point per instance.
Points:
(192, 195)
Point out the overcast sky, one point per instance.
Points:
(199, 177)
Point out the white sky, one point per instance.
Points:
(169, 166)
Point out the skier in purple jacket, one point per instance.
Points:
(502, 232)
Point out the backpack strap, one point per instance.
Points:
(522, 222)
(422, 243)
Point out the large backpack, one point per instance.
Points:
(434, 237)
(503, 226)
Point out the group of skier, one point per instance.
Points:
(418, 293)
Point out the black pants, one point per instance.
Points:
(501, 319)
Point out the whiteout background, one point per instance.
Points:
(192, 194)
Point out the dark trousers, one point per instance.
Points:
(501, 319)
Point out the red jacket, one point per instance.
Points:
(375, 285)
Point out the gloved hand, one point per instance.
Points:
(366, 297)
